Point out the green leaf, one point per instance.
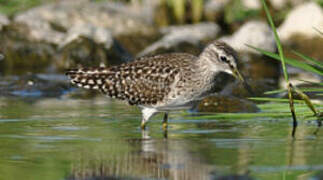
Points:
(302, 89)
(290, 61)
(308, 59)
(311, 82)
(278, 43)
(274, 99)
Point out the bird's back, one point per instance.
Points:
(144, 81)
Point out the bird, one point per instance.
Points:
(164, 82)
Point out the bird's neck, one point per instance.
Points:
(205, 69)
(214, 80)
(203, 73)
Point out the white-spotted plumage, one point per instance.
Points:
(162, 83)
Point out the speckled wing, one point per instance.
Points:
(144, 81)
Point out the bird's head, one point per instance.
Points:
(221, 57)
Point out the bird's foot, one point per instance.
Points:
(165, 125)
(143, 126)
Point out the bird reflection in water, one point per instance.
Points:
(145, 157)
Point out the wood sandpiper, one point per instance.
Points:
(165, 82)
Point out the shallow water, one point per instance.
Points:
(83, 139)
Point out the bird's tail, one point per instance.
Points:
(88, 78)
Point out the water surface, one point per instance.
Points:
(83, 139)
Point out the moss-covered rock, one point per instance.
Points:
(229, 104)
(21, 54)
(85, 52)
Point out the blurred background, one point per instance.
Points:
(50, 36)
(52, 130)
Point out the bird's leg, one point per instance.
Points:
(146, 114)
(165, 124)
(165, 133)
(143, 123)
(145, 134)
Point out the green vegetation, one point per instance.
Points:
(171, 11)
(320, 2)
(314, 66)
(236, 12)
(10, 7)
(310, 65)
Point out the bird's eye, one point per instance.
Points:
(223, 58)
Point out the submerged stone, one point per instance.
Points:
(258, 87)
(35, 86)
(227, 104)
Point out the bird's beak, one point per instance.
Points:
(236, 74)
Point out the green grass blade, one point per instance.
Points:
(275, 91)
(311, 82)
(278, 43)
(306, 99)
(302, 89)
(262, 115)
(308, 59)
(273, 99)
(290, 61)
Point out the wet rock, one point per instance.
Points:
(213, 9)
(98, 34)
(3, 21)
(298, 2)
(309, 46)
(84, 51)
(229, 104)
(87, 45)
(252, 4)
(307, 15)
(261, 37)
(34, 86)
(73, 33)
(183, 38)
(258, 88)
(50, 22)
(82, 45)
(135, 44)
(279, 4)
(255, 67)
(22, 55)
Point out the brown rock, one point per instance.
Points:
(218, 103)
